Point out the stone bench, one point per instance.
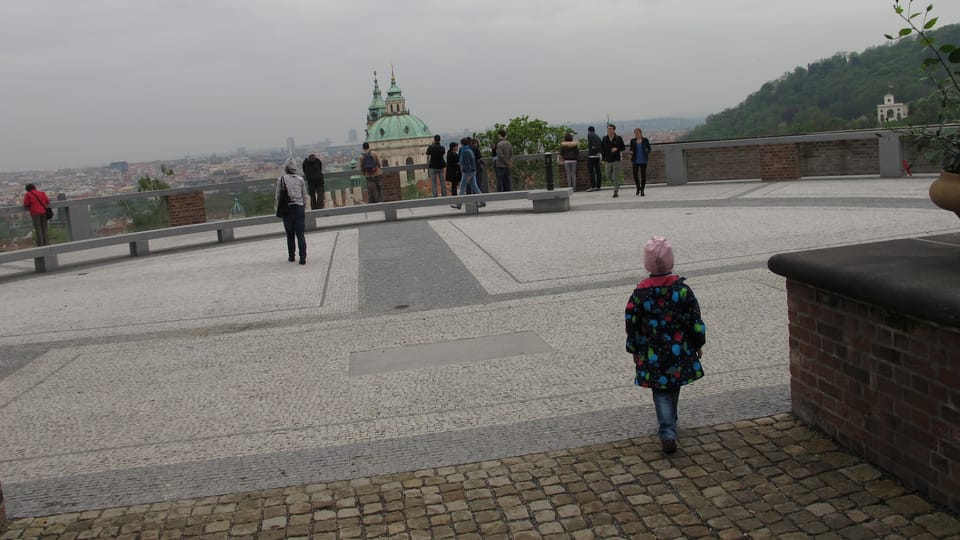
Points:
(45, 257)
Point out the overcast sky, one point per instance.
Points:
(93, 81)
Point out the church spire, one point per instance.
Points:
(377, 108)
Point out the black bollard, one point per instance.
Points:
(548, 163)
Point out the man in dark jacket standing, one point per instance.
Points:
(435, 152)
(593, 159)
(612, 147)
(313, 173)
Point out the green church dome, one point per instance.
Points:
(398, 126)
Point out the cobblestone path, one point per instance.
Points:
(770, 477)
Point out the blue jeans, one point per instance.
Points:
(436, 177)
(469, 180)
(665, 402)
(294, 223)
(503, 178)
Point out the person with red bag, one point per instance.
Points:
(38, 204)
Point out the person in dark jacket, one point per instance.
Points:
(435, 166)
(594, 148)
(453, 167)
(294, 220)
(482, 181)
(611, 147)
(36, 202)
(468, 165)
(313, 173)
(640, 148)
(665, 335)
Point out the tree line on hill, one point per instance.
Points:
(840, 92)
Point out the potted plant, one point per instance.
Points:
(940, 142)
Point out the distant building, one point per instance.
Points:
(397, 136)
(291, 147)
(119, 165)
(890, 111)
(352, 136)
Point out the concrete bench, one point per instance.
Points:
(45, 257)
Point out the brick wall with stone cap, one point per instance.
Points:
(873, 354)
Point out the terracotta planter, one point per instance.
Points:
(945, 192)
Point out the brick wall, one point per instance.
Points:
(389, 187)
(3, 509)
(724, 163)
(186, 208)
(884, 385)
(827, 158)
(779, 162)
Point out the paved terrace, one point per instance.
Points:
(443, 376)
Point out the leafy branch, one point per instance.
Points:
(943, 142)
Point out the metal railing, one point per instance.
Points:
(77, 219)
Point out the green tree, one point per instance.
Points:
(146, 214)
(525, 135)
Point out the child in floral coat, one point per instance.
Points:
(664, 335)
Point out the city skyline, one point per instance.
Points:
(138, 81)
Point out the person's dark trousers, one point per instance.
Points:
(294, 224)
(503, 178)
(453, 186)
(374, 194)
(316, 195)
(40, 230)
(596, 177)
(641, 182)
(482, 181)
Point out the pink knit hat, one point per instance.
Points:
(658, 255)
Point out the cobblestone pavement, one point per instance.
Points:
(770, 477)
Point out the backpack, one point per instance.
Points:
(369, 164)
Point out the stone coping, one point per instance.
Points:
(919, 277)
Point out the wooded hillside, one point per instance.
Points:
(841, 92)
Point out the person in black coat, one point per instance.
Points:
(640, 147)
(453, 167)
(313, 173)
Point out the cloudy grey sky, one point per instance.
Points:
(92, 81)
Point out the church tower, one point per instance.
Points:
(377, 109)
(396, 104)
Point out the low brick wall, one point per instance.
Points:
(186, 208)
(723, 163)
(883, 384)
(826, 158)
(779, 162)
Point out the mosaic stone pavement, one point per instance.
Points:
(187, 395)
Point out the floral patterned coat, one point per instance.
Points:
(664, 333)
